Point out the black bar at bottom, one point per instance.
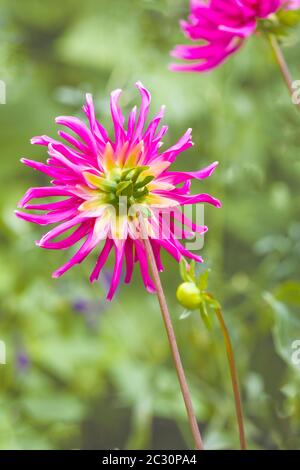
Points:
(134, 459)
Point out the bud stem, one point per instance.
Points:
(172, 340)
(282, 65)
(234, 378)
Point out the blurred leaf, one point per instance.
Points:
(289, 292)
(58, 407)
(286, 329)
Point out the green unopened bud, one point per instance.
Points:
(189, 296)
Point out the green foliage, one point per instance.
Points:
(84, 373)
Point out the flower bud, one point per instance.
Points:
(189, 296)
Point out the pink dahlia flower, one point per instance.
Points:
(100, 180)
(222, 26)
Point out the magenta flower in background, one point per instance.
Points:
(93, 175)
(222, 26)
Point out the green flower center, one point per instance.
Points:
(124, 187)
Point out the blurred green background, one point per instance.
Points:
(84, 373)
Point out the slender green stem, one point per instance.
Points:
(282, 65)
(234, 378)
(172, 340)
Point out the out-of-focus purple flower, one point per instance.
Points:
(107, 276)
(222, 26)
(90, 310)
(22, 361)
(81, 306)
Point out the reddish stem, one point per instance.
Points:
(282, 66)
(234, 379)
(172, 340)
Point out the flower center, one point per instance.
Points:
(129, 183)
(121, 187)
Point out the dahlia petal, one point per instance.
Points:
(79, 256)
(203, 52)
(170, 248)
(183, 144)
(117, 117)
(292, 4)
(161, 225)
(69, 241)
(119, 227)
(53, 172)
(267, 7)
(179, 177)
(131, 123)
(93, 180)
(134, 155)
(201, 67)
(160, 186)
(160, 200)
(209, 56)
(47, 219)
(242, 31)
(119, 250)
(185, 252)
(179, 216)
(144, 268)
(146, 100)
(108, 160)
(101, 259)
(156, 169)
(101, 227)
(80, 129)
(44, 191)
(42, 140)
(72, 155)
(194, 199)
(75, 142)
(90, 243)
(57, 157)
(152, 145)
(93, 207)
(121, 157)
(160, 134)
(180, 234)
(129, 260)
(99, 131)
(156, 251)
(151, 129)
(56, 231)
(58, 205)
(185, 188)
(84, 192)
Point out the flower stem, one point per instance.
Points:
(172, 341)
(234, 379)
(282, 65)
